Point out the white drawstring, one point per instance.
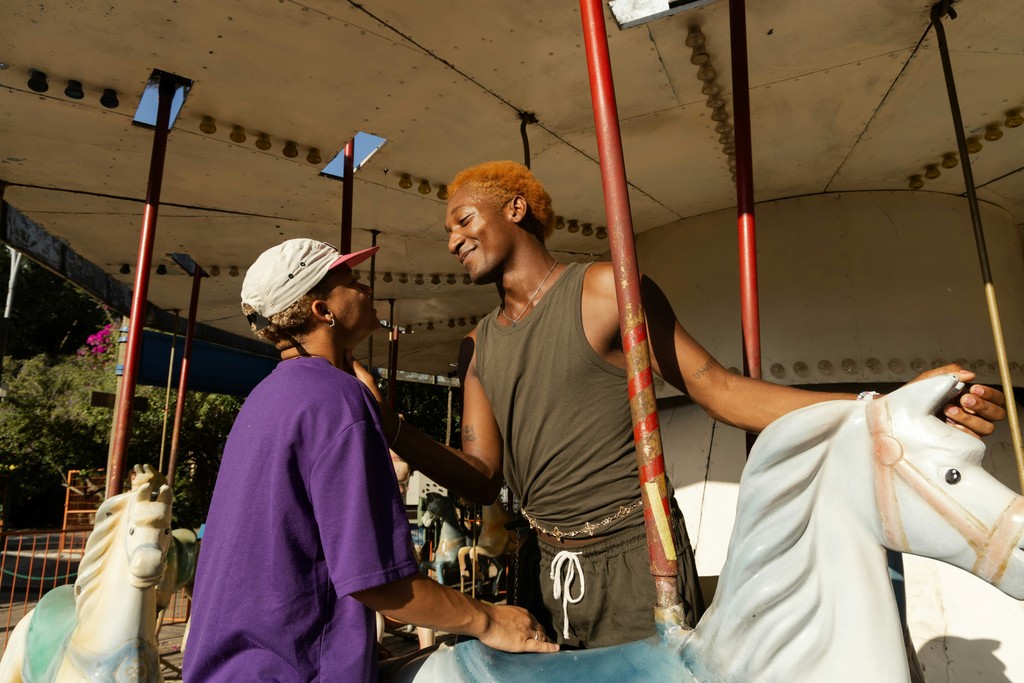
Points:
(562, 585)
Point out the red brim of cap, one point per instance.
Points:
(355, 258)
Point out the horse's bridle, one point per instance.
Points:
(992, 545)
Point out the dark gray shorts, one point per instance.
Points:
(619, 597)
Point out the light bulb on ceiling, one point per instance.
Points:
(405, 182)
(916, 182)
(161, 269)
(124, 269)
(387, 277)
(74, 90)
(931, 171)
(442, 192)
(109, 98)
(719, 114)
(37, 81)
(587, 230)
(430, 326)
(403, 278)
(263, 141)
(706, 72)
(973, 145)
(710, 88)
(209, 125)
(695, 37)
(601, 232)
(435, 279)
(559, 223)
(233, 271)
(574, 225)
(418, 279)
(1013, 118)
(992, 132)
(313, 156)
(214, 271)
(291, 150)
(451, 278)
(700, 57)
(424, 187)
(466, 279)
(949, 160)
(237, 134)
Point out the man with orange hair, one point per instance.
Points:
(572, 464)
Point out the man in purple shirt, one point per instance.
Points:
(307, 536)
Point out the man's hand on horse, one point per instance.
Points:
(975, 410)
(513, 629)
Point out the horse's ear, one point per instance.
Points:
(927, 395)
(165, 495)
(143, 491)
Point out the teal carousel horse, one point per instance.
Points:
(103, 628)
(440, 511)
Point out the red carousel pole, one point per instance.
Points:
(632, 323)
(392, 357)
(347, 185)
(123, 419)
(186, 357)
(749, 314)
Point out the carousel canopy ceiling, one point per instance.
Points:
(844, 97)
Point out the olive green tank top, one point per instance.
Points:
(563, 412)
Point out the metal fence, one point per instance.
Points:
(34, 562)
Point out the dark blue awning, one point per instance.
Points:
(213, 368)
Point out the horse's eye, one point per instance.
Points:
(131, 532)
(166, 531)
(953, 476)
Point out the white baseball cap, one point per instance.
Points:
(283, 274)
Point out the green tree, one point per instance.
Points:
(48, 426)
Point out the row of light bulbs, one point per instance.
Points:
(161, 269)
(39, 82)
(849, 366)
(993, 132)
(418, 278)
(701, 58)
(424, 187)
(431, 325)
(238, 135)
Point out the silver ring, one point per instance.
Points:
(536, 635)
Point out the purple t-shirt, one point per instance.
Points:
(305, 512)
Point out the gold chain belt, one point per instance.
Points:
(588, 528)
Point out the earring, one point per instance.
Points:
(332, 323)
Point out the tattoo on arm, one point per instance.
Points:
(468, 433)
(702, 370)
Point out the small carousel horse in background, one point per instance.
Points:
(103, 628)
(805, 595)
(440, 508)
(493, 541)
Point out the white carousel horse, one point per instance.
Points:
(103, 628)
(440, 508)
(804, 595)
(494, 540)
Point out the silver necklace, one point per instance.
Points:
(527, 306)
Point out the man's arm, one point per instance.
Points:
(753, 404)
(742, 402)
(473, 472)
(419, 600)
